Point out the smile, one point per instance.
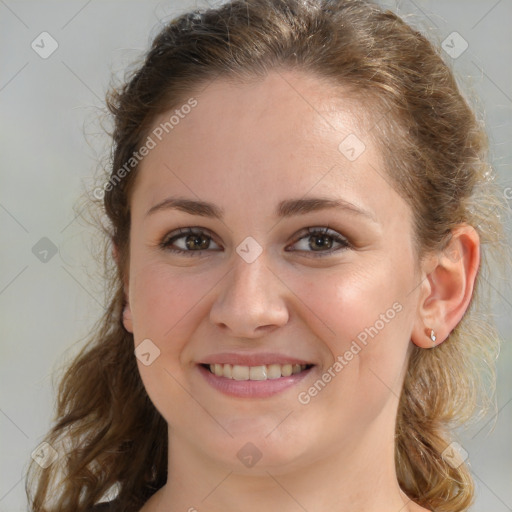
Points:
(261, 381)
(261, 372)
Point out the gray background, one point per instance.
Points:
(50, 144)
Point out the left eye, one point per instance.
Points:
(318, 240)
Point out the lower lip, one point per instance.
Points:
(252, 388)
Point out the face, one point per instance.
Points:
(265, 281)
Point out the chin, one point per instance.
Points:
(253, 451)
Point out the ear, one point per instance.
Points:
(115, 252)
(127, 312)
(447, 288)
(127, 317)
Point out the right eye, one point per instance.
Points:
(187, 241)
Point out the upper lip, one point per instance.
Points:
(252, 359)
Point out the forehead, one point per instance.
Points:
(281, 136)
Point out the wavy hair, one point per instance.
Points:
(106, 428)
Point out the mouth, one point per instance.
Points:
(256, 373)
(258, 381)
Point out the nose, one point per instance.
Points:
(251, 301)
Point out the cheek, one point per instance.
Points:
(367, 312)
(349, 301)
(163, 299)
(366, 320)
(168, 304)
(165, 306)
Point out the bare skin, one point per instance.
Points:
(245, 148)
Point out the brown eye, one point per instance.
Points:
(187, 241)
(321, 241)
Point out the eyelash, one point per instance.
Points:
(309, 232)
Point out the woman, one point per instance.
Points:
(299, 199)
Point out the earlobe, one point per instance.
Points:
(115, 253)
(448, 288)
(127, 312)
(127, 318)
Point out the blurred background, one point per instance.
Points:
(57, 60)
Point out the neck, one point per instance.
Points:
(355, 476)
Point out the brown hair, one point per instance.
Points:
(435, 152)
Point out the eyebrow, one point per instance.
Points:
(286, 208)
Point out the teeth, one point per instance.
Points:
(228, 371)
(218, 370)
(274, 371)
(263, 372)
(258, 373)
(286, 370)
(240, 372)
